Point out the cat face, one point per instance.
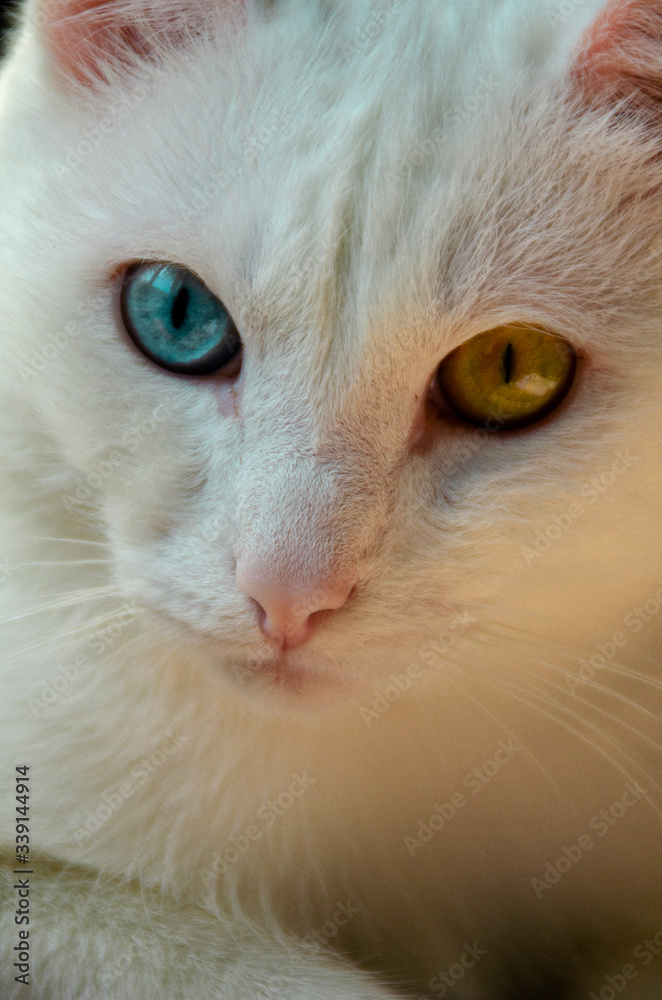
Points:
(313, 511)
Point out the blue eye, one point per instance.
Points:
(175, 320)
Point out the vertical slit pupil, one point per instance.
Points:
(507, 363)
(179, 307)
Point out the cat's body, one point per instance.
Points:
(468, 800)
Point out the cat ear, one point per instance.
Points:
(621, 56)
(87, 37)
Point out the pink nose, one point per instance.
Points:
(286, 609)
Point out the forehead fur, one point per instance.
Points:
(426, 146)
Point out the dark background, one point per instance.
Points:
(5, 8)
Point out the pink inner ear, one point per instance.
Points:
(622, 52)
(603, 38)
(83, 35)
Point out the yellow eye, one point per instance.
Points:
(513, 374)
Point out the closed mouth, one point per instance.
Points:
(288, 673)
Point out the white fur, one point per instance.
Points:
(284, 159)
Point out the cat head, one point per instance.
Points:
(384, 214)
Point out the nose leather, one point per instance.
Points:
(287, 609)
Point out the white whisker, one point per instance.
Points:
(65, 562)
(71, 599)
(53, 640)
(502, 725)
(71, 541)
(524, 696)
(615, 669)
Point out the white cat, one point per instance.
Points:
(331, 500)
